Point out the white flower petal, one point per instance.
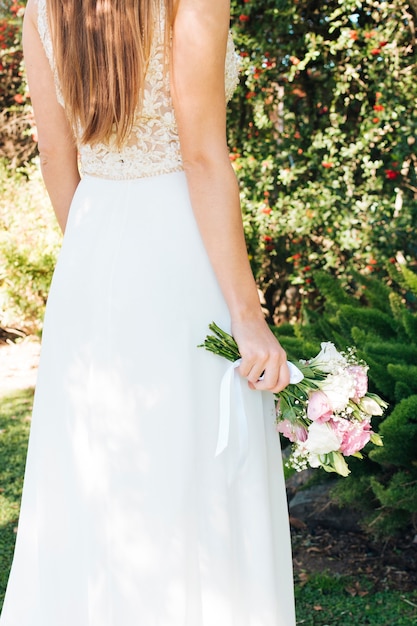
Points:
(322, 439)
(370, 406)
(328, 359)
(339, 388)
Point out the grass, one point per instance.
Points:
(15, 412)
(323, 600)
(341, 600)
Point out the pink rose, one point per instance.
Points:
(340, 426)
(293, 432)
(301, 433)
(361, 380)
(318, 408)
(355, 437)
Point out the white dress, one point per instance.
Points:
(128, 518)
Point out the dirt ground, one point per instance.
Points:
(388, 565)
(18, 363)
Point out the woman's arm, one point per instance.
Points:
(57, 149)
(198, 90)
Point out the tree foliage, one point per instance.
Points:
(17, 131)
(322, 134)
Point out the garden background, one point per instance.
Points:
(322, 135)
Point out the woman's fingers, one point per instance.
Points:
(266, 373)
(277, 382)
(253, 366)
(264, 361)
(275, 377)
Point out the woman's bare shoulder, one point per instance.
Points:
(204, 10)
(31, 11)
(199, 46)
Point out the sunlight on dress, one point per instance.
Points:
(128, 518)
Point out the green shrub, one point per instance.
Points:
(29, 241)
(399, 430)
(384, 485)
(17, 130)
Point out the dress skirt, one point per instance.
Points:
(128, 517)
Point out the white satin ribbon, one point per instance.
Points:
(231, 382)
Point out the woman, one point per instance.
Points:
(128, 517)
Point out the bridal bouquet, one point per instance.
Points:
(326, 413)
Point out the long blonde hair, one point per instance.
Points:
(101, 51)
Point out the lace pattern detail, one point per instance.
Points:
(232, 69)
(44, 34)
(153, 145)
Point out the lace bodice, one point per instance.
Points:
(153, 145)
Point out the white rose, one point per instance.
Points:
(322, 439)
(339, 388)
(328, 359)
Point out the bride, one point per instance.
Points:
(128, 517)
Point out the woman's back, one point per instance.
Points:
(152, 146)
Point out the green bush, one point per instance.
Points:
(17, 129)
(322, 135)
(29, 241)
(383, 486)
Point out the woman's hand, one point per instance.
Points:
(264, 361)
